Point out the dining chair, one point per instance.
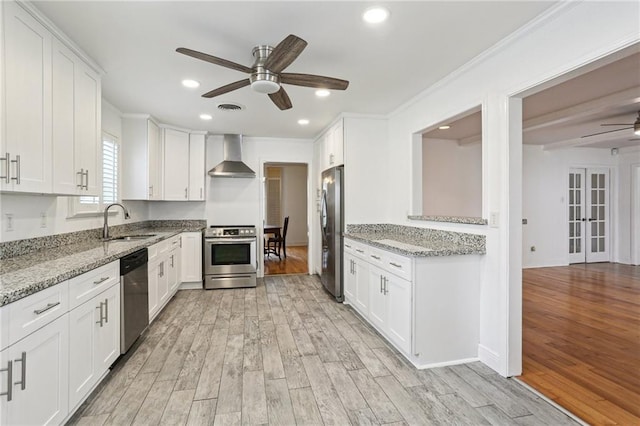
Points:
(279, 242)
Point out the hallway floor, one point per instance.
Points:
(295, 263)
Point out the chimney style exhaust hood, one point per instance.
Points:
(232, 165)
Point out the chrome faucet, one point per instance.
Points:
(105, 228)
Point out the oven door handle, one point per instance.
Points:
(230, 240)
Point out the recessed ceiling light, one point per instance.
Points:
(191, 84)
(375, 15)
(205, 117)
(444, 127)
(303, 122)
(322, 93)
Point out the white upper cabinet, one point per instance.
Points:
(197, 172)
(176, 165)
(25, 144)
(141, 159)
(51, 116)
(332, 146)
(76, 124)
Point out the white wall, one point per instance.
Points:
(567, 37)
(28, 208)
(544, 200)
(451, 178)
(627, 229)
(294, 203)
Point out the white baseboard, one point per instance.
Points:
(444, 364)
(490, 358)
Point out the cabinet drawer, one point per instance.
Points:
(84, 287)
(357, 249)
(37, 310)
(173, 243)
(398, 265)
(163, 247)
(376, 257)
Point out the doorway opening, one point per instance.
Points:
(580, 282)
(286, 239)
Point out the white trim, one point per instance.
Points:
(489, 357)
(197, 285)
(445, 364)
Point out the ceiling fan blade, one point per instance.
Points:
(608, 131)
(213, 60)
(281, 99)
(619, 124)
(227, 88)
(317, 81)
(285, 53)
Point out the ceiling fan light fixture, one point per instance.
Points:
(265, 86)
(375, 15)
(636, 126)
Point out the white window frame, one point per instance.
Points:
(77, 208)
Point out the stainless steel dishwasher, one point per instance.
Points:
(134, 297)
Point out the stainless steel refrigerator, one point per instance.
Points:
(331, 224)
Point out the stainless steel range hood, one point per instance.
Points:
(232, 165)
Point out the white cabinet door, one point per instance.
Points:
(154, 166)
(191, 257)
(26, 117)
(176, 165)
(45, 398)
(337, 145)
(377, 299)
(398, 300)
(349, 279)
(87, 128)
(197, 172)
(107, 349)
(83, 337)
(66, 178)
(173, 271)
(361, 269)
(5, 379)
(154, 281)
(163, 282)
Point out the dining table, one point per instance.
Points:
(272, 229)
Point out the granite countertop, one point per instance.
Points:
(417, 242)
(23, 275)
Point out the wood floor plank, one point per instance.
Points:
(473, 396)
(160, 353)
(175, 359)
(384, 410)
(303, 341)
(364, 417)
(271, 357)
(254, 398)
(305, 407)
(406, 375)
(279, 406)
(177, 410)
(194, 359)
(349, 394)
(294, 263)
(230, 394)
(329, 405)
(202, 412)
(126, 409)
(464, 411)
(431, 404)
(153, 406)
(369, 359)
(228, 419)
(209, 380)
(408, 407)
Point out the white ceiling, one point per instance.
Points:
(135, 42)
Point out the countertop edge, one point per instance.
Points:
(459, 251)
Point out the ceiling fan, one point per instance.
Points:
(635, 126)
(265, 75)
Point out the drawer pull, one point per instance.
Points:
(9, 371)
(46, 308)
(101, 280)
(360, 251)
(375, 257)
(347, 245)
(23, 369)
(395, 264)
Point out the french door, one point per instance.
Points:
(588, 215)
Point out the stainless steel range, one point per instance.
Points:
(230, 257)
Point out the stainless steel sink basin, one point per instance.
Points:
(131, 237)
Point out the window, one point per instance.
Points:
(89, 204)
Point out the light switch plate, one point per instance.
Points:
(494, 219)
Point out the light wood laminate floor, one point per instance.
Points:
(581, 339)
(294, 263)
(285, 353)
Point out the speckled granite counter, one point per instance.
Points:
(451, 219)
(29, 273)
(417, 242)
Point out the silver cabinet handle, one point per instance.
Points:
(6, 158)
(201, 193)
(100, 320)
(386, 290)
(162, 269)
(9, 371)
(106, 310)
(81, 173)
(23, 381)
(395, 264)
(360, 251)
(353, 267)
(101, 280)
(347, 245)
(381, 283)
(375, 257)
(17, 161)
(86, 174)
(172, 261)
(186, 192)
(46, 308)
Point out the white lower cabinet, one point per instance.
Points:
(36, 369)
(191, 257)
(173, 267)
(163, 273)
(397, 293)
(94, 342)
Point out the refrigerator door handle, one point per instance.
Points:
(323, 215)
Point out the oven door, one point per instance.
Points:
(230, 256)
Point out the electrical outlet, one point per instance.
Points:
(43, 220)
(494, 219)
(8, 222)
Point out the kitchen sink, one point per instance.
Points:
(131, 237)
